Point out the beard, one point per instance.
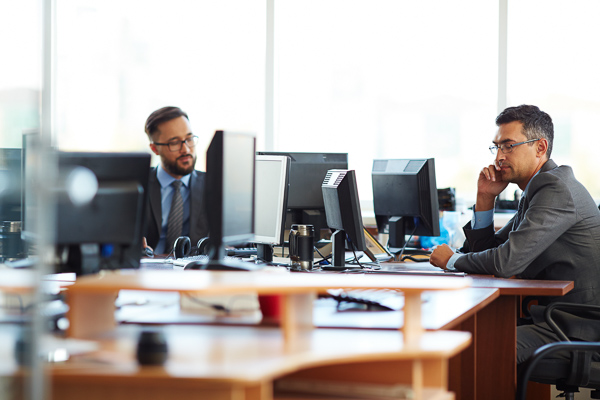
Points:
(174, 168)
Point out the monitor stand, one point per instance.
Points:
(264, 253)
(397, 239)
(338, 253)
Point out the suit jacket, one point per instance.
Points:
(555, 234)
(198, 213)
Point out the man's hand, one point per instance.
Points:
(440, 256)
(489, 186)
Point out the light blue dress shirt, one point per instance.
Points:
(166, 196)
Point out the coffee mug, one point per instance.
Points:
(301, 246)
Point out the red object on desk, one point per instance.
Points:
(270, 306)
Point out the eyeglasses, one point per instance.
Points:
(508, 148)
(175, 145)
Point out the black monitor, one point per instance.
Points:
(305, 199)
(229, 191)
(11, 245)
(10, 184)
(342, 207)
(106, 231)
(405, 199)
(271, 195)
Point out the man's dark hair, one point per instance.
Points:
(536, 123)
(162, 115)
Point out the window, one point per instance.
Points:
(389, 79)
(117, 61)
(553, 63)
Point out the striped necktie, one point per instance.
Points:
(175, 222)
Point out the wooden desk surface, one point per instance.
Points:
(261, 282)
(513, 286)
(209, 357)
(524, 287)
(441, 310)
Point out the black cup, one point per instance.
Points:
(152, 348)
(301, 241)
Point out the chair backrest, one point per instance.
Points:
(551, 364)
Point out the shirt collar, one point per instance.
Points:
(165, 179)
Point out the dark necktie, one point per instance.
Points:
(519, 216)
(175, 222)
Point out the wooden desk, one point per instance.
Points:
(216, 362)
(494, 335)
(91, 298)
(495, 343)
(261, 354)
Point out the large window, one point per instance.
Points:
(117, 61)
(376, 79)
(553, 63)
(389, 79)
(21, 66)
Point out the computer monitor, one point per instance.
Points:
(405, 199)
(271, 196)
(106, 231)
(305, 199)
(229, 191)
(11, 245)
(10, 184)
(342, 207)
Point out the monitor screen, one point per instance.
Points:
(305, 199)
(10, 184)
(229, 190)
(272, 180)
(342, 207)
(405, 199)
(11, 245)
(101, 230)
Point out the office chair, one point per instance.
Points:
(568, 365)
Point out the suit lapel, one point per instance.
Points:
(195, 201)
(155, 199)
(549, 165)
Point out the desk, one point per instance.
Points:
(492, 324)
(487, 370)
(262, 354)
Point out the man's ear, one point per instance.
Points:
(154, 148)
(542, 147)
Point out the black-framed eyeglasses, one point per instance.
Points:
(508, 148)
(175, 145)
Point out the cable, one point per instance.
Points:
(323, 258)
(406, 242)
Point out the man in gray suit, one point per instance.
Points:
(175, 189)
(555, 233)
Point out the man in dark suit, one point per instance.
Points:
(175, 189)
(555, 233)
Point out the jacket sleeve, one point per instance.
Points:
(549, 211)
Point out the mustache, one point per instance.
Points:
(185, 155)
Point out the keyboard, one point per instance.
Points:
(368, 299)
(241, 252)
(182, 262)
(203, 259)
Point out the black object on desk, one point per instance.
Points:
(348, 302)
(152, 348)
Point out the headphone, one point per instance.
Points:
(183, 247)
(203, 246)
